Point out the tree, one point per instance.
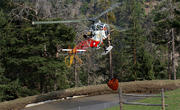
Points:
(135, 34)
(9, 81)
(30, 53)
(145, 65)
(121, 63)
(108, 18)
(168, 14)
(50, 36)
(178, 72)
(3, 79)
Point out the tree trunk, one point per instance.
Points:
(151, 48)
(57, 51)
(110, 60)
(55, 75)
(110, 53)
(173, 43)
(42, 83)
(169, 56)
(87, 59)
(169, 60)
(134, 51)
(75, 73)
(88, 78)
(55, 78)
(173, 59)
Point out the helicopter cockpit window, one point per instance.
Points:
(99, 27)
(107, 29)
(93, 27)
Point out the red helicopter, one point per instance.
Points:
(94, 37)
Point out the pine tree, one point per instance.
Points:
(145, 65)
(30, 54)
(136, 38)
(7, 85)
(52, 68)
(3, 82)
(109, 17)
(167, 19)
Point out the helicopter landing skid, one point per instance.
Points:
(107, 50)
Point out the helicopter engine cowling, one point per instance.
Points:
(89, 33)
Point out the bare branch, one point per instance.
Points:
(163, 10)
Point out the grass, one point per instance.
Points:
(173, 101)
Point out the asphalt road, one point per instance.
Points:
(83, 103)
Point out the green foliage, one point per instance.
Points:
(121, 58)
(136, 40)
(104, 4)
(69, 1)
(84, 7)
(14, 91)
(178, 72)
(164, 24)
(160, 69)
(28, 56)
(3, 84)
(145, 65)
(6, 5)
(49, 68)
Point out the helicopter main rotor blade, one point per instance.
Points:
(116, 27)
(104, 12)
(52, 22)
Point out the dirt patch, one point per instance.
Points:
(128, 87)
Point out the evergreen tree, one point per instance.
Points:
(30, 54)
(54, 35)
(178, 72)
(3, 80)
(160, 68)
(8, 73)
(136, 40)
(167, 19)
(121, 64)
(145, 65)
(109, 18)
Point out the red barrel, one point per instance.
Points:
(113, 84)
